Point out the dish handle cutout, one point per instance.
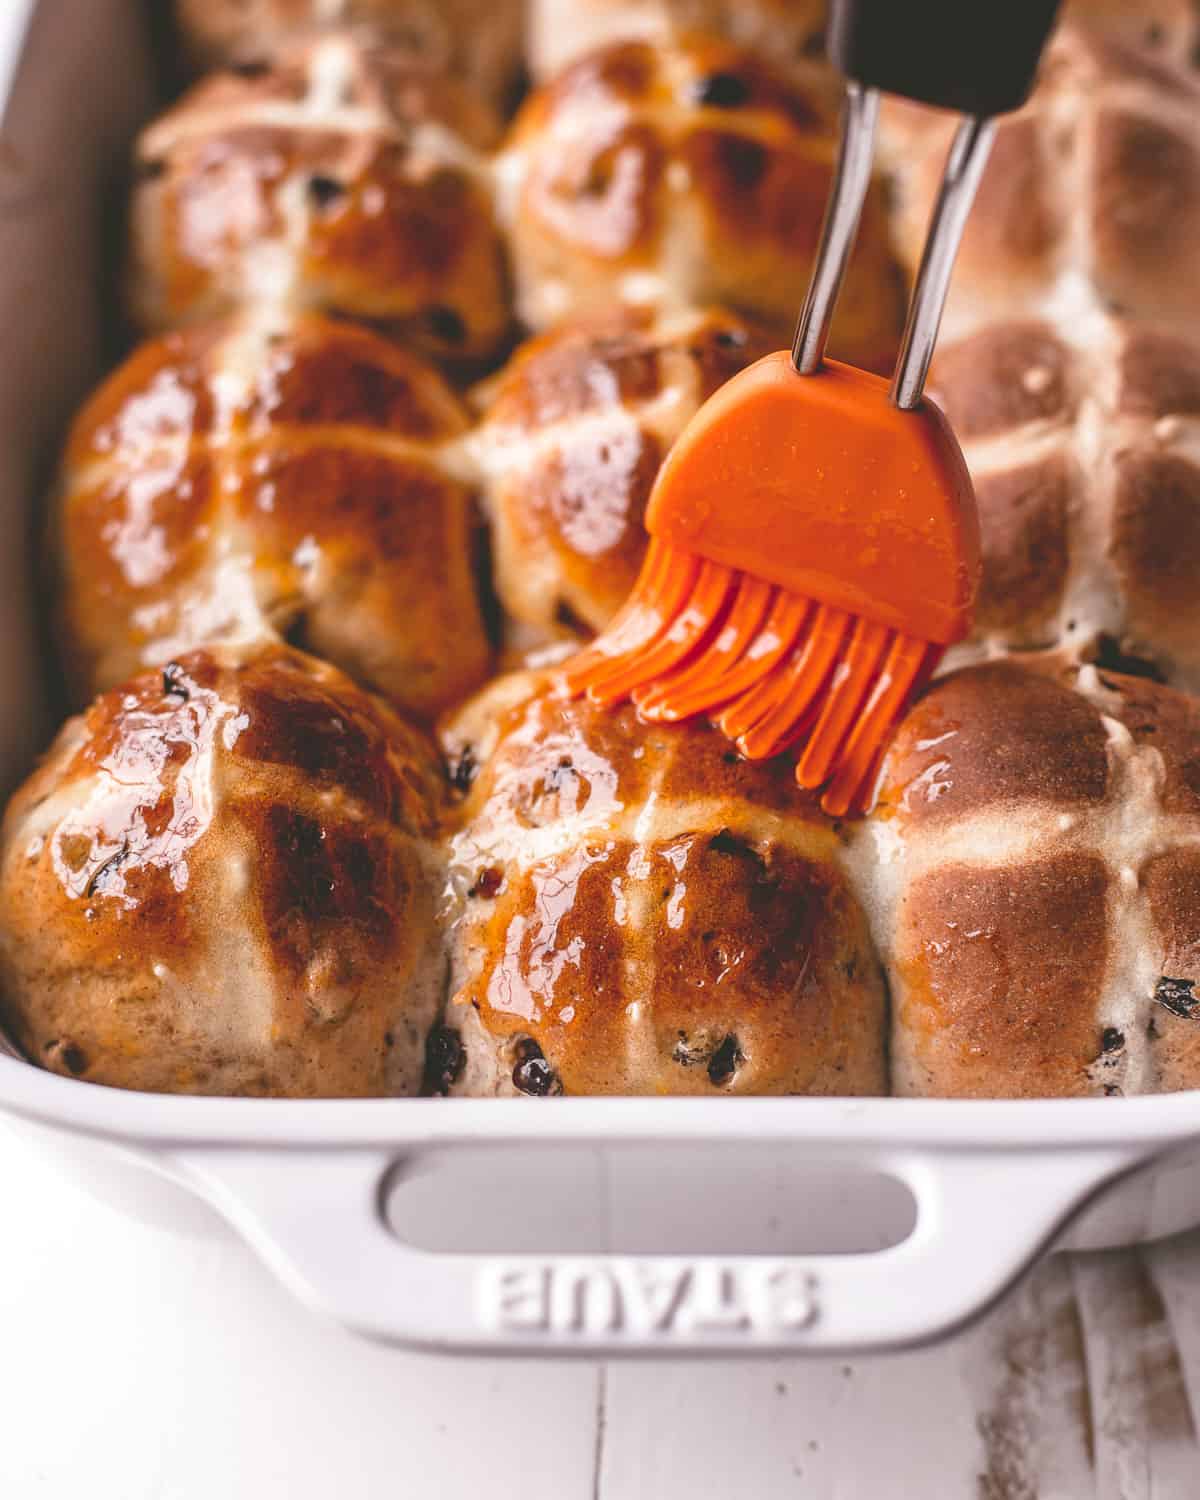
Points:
(326, 1222)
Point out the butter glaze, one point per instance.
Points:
(340, 175)
(632, 176)
(578, 424)
(221, 880)
(267, 477)
(652, 913)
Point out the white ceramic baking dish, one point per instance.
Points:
(566, 1226)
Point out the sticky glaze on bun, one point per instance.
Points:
(220, 881)
(261, 478)
(579, 423)
(679, 176)
(637, 911)
(341, 178)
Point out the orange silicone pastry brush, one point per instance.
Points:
(814, 539)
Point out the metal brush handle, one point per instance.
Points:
(964, 167)
(979, 61)
(851, 179)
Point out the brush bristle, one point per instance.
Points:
(774, 670)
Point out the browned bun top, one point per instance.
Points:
(272, 476)
(639, 911)
(476, 40)
(579, 422)
(1080, 431)
(682, 175)
(1095, 183)
(340, 176)
(220, 880)
(1035, 868)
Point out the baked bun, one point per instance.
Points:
(637, 911)
(342, 178)
(680, 176)
(578, 426)
(789, 32)
(220, 880)
(1034, 864)
(1091, 194)
(1083, 438)
(248, 478)
(479, 41)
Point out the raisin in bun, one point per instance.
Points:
(637, 911)
(1034, 869)
(578, 424)
(478, 41)
(340, 177)
(679, 176)
(789, 32)
(1091, 195)
(257, 477)
(220, 880)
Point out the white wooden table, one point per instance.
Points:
(142, 1364)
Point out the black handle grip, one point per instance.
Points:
(977, 57)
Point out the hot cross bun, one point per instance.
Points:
(339, 177)
(221, 880)
(637, 911)
(578, 425)
(1081, 433)
(678, 176)
(267, 478)
(1033, 873)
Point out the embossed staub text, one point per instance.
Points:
(641, 1299)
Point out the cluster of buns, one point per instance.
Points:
(408, 380)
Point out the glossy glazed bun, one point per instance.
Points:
(220, 880)
(579, 423)
(340, 177)
(478, 41)
(1033, 870)
(680, 176)
(267, 477)
(636, 911)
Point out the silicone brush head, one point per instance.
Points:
(814, 550)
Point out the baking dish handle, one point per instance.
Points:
(983, 1216)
